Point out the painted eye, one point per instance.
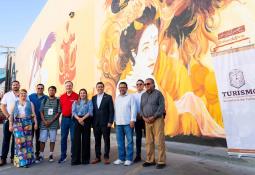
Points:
(145, 49)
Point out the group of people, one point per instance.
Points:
(37, 116)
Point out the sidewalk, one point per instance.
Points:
(207, 152)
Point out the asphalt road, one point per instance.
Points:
(177, 164)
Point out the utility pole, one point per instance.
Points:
(9, 52)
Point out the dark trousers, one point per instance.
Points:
(139, 127)
(81, 142)
(6, 141)
(98, 132)
(36, 133)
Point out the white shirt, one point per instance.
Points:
(9, 100)
(138, 96)
(99, 99)
(21, 108)
(125, 109)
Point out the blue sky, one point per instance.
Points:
(16, 17)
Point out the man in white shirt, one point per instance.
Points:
(125, 117)
(139, 124)
(7, 104)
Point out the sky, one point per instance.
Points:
(16, 18)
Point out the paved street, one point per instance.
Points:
(177, 164)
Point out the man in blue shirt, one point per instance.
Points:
(36, 99)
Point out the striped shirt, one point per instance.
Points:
(49, 108)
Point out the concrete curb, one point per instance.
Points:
(204, 152)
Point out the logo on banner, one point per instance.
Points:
(236, 78)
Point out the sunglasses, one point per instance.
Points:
(139, 84)
(147, 84)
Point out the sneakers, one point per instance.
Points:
(39, 159)
(118, 162)
(128, 163)
(62, 160)
(51, 158)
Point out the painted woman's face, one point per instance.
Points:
(148, 47)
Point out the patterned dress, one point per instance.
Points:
(23, 153)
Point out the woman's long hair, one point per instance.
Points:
(191, 29)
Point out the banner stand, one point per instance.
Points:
(234, 70)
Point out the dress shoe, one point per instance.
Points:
(75, 163)
(96, 161)
(85, 162)
(107, 161)
(2, 162)
(160, 166)
(147, 164)
(137, 159)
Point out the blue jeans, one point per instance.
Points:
(121, 132)
(67, 124)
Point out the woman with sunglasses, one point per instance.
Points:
(82, 111)
(21, 122)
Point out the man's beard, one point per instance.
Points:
(16, 89)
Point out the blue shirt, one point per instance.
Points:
(37, 104)
(81, 108)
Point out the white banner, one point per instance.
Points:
(235, 76)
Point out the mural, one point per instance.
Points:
(37, 74)
(166, 40)
(67, 67)
(171, 41)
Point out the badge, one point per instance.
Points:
(50, 111)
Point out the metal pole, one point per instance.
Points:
(6, 74)
(10, 73)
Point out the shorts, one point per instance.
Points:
(48, 133)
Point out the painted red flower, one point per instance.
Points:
(67, 67)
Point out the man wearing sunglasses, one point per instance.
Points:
(139, 124)
(36, 99)
(152, 111)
